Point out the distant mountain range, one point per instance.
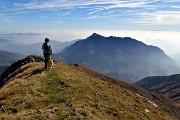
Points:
(5, 42)
(11, 46)
(169, 85)
(124, 58)
(7, 58)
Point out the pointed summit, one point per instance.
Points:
(95, 35)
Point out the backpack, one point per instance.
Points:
(47, 47)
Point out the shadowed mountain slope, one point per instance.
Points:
(11, 69)
(7, 58)
(77, 92)
(123, 58)
(169, 85)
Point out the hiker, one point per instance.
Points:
(47, 51)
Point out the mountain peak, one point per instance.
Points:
(95, 35)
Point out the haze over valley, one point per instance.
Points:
(136, 55)
(111, 59)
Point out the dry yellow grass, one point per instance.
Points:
(66, 93)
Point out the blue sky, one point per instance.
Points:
(91, 14)
(155, 22)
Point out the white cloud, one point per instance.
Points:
(176, 7)
(5, 18)
(160, 17)
(149, 11)
(67, 4)
(109, 12)
(66, 13)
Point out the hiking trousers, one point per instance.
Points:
(47, 56)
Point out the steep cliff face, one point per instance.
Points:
(76, 92)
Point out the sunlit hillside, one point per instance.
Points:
(68, 92)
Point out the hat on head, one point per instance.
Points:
(46, 40)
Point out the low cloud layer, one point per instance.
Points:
(166, 40)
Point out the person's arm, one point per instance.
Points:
(51, 49)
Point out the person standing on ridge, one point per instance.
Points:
(47, 51)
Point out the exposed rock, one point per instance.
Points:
(146, 111)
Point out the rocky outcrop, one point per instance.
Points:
(18, 64)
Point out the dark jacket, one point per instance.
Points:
(47, 48)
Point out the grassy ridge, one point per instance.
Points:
(66, 93)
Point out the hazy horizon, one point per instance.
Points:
(166, 40)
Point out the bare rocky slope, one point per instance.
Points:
(76, 92)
